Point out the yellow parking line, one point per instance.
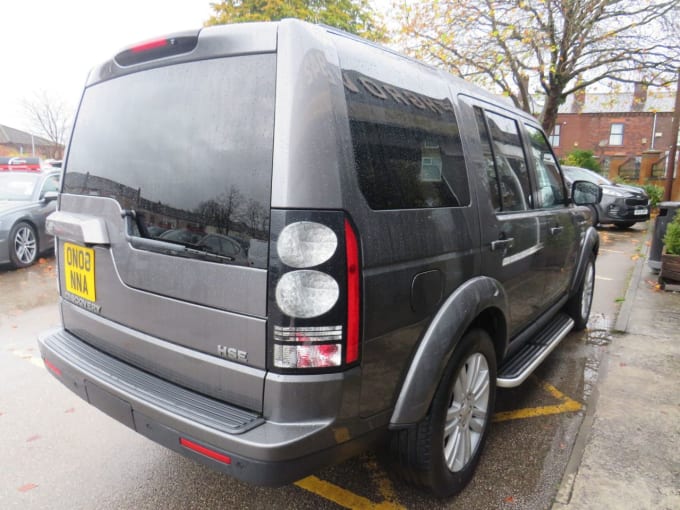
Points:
(567, 405)
(343, 497)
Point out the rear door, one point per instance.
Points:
(512, 235)
(164, 165)
(559, 231)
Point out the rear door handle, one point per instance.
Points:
(556, 230)
(502, 244)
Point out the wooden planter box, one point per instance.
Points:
(669, 275)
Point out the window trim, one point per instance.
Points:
(613, 134)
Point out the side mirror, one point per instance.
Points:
(48, 196)
(586, 193)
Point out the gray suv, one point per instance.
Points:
(407, 240)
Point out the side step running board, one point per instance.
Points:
(516, 369)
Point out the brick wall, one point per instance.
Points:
(590, 131)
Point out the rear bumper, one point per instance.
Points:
(261, 452)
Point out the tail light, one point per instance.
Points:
(314, 292)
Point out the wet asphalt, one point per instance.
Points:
(57, 452)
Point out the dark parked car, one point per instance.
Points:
(26, 199)
(411, 247)
(621, 205)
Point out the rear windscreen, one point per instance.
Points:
(186, 149)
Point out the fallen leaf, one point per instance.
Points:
(70, 410)
(635, 257)
(509, 499)
(33, 438)
(622, 364)
(27, 487)
(42, 261)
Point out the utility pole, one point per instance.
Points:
(674, 147)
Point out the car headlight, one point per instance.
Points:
(613, 193)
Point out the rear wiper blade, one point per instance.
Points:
(174, 248)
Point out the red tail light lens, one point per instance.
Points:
(352, 250)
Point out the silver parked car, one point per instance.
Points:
(621, 205)
(26, 198)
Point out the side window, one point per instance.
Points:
(489, 165)
(511, 165)
(548, 178)
(407, 146)
(50, 184)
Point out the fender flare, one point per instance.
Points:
(439, 341)
(590, 244)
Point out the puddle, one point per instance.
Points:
(599, 337)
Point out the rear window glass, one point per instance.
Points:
(188, 147)
(407, 147)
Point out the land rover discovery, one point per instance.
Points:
(405, 240)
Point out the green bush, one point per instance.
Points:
(655, 194)
(583, 159)
(672, 238)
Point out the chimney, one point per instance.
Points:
(639, 97)
(579, 101)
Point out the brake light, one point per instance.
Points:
(158, 48)
(159, 43)
(314, 291)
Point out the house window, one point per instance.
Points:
(616, 134)
(555, 136)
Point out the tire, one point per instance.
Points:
(23, 245)
(443, 450)
(578, 306)
(622, 225)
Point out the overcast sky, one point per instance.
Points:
(51, 45)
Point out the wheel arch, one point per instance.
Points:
(589, 246)
(478, 303)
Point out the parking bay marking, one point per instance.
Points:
(343, 497)
(566, 405)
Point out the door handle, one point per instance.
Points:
(556, 230)
(502, 244)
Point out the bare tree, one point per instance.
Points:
(551, 47)
(51, 118)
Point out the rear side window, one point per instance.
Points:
(188, 147)
(512, 177)
(407, 147)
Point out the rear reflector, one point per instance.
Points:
(190, 445)
(52, 368)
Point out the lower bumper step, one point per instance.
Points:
(94, 366)
(516, 369)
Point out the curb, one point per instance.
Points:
(623, 317)
(566, 487)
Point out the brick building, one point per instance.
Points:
(629, 132)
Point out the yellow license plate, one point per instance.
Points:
(79, 271)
